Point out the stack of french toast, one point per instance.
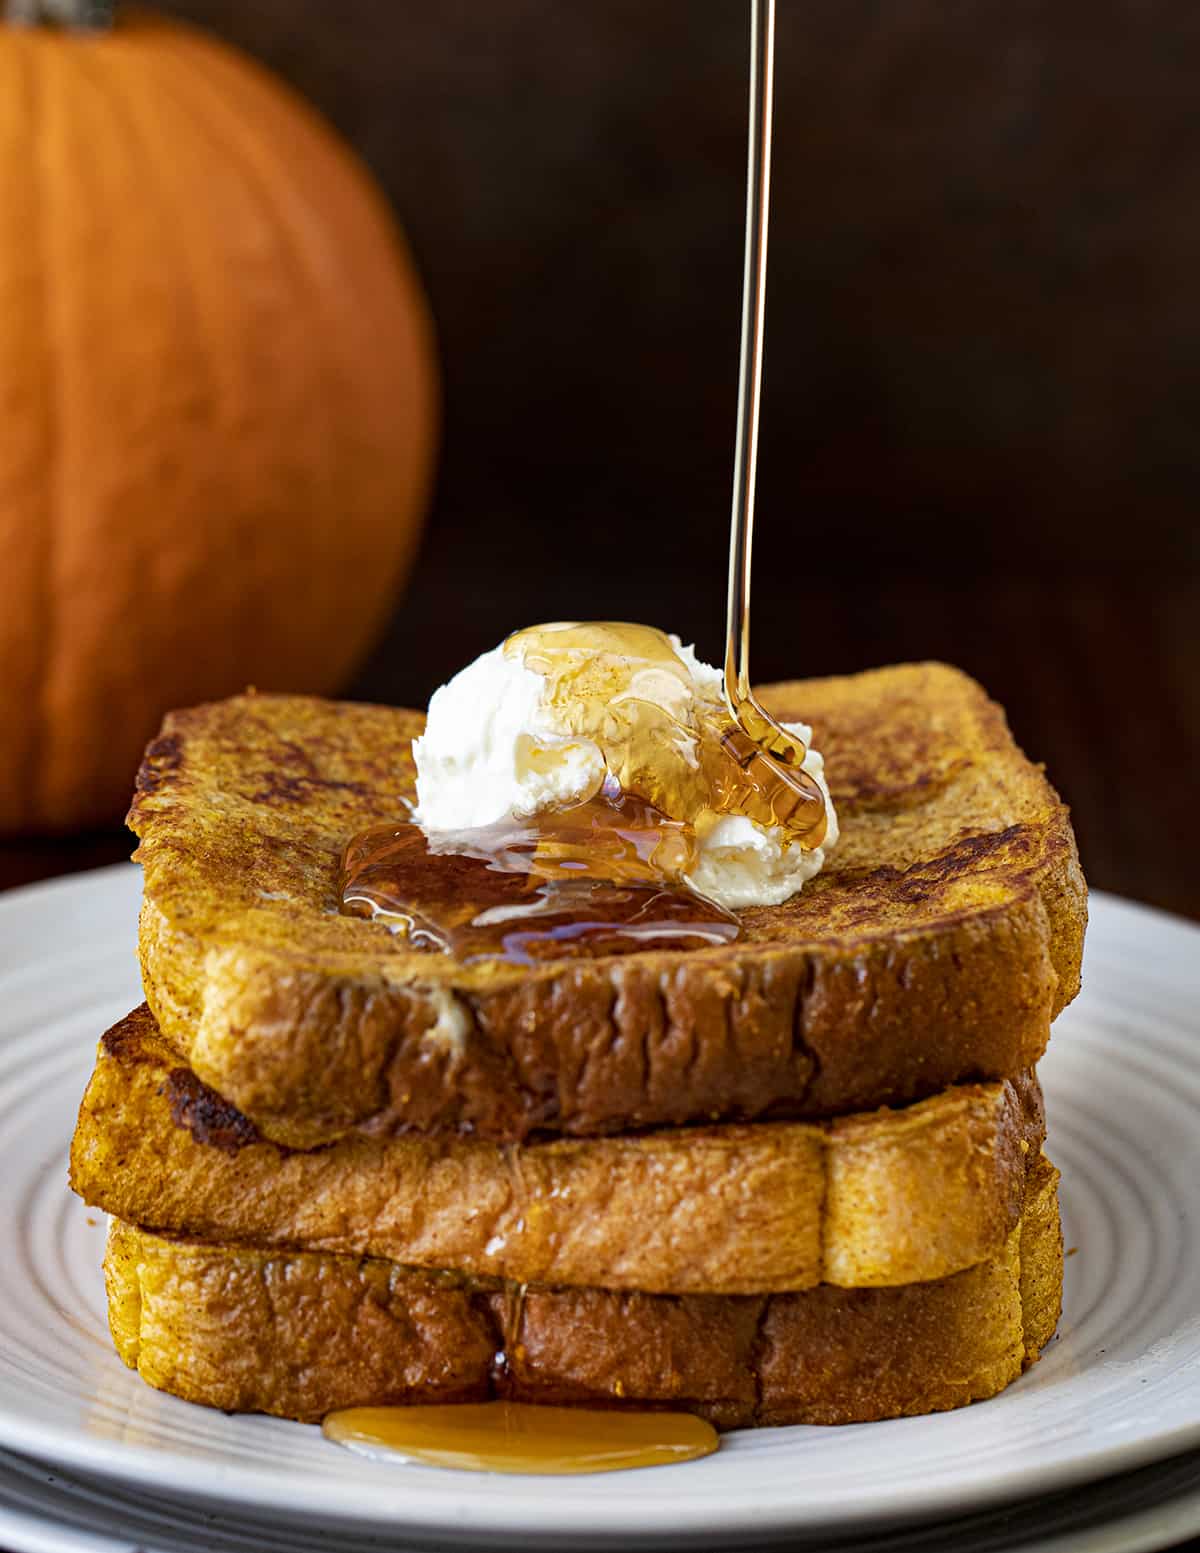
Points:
(798, 1178)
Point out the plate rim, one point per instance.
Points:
(1142, 1529)
(662, 1523)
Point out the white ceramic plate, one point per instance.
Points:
(46, 1510)
(1119, 1388)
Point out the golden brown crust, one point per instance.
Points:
(935, 947)
(888, 1197)
(301, 1333)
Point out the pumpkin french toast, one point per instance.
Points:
(791, 1175)
(942, 937)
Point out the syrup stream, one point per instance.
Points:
(773, 746)
(754, 304)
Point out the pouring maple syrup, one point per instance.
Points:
(520, 1438)
(608, 874)
(770, 757)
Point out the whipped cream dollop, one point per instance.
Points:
(532, 726)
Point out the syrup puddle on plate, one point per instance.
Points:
(517, 1437)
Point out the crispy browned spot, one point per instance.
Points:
(208, 1117)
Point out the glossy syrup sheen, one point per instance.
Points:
(607, 875)
(603, 877)
(516, 1437)
(627, 688)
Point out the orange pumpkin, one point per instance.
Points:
(217, 401)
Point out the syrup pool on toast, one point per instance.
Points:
(601, 877)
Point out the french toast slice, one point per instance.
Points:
(299, 1334)
(881, 1198)
(941, 938)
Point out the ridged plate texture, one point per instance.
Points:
(1119, 1388)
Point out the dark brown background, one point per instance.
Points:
(983, 380)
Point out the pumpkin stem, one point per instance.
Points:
(80, 15)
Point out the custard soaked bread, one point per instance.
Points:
(941, 938)
(884, 1198)
(301, 1333)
